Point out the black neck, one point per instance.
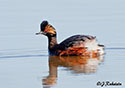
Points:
(52, 43)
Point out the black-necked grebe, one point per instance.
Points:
(85, 45)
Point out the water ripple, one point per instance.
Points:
(21, 56)
(115, 48)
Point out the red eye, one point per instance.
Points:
(45, 30)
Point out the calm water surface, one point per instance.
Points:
(38, 70)
(24, 60)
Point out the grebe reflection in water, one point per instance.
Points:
(75, 64)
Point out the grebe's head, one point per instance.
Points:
(47, 29)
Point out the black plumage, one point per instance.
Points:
(43, 25)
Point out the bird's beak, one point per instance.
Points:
(41, 32)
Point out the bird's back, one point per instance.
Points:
(79, 45)
(76, 41)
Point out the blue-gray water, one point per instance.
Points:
(24, 60)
